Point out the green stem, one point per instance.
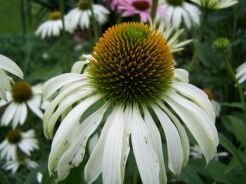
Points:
(231, 72)
(200, 37)
(64, 38)
(154, 9)
(234, 28)
(94, 21)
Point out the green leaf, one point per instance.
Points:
(228, 145)
(3, 178)
(237, 127)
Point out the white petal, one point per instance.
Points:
(9, 113)
(94, 165)
(52, 85)
(60, 142)
(174, 144)
(63, 106)
(74, 155)
(146, 157)
(156, 139)
(182, 133)
(10, 66)
(112, 156)
(196, 122)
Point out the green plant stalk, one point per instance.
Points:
(64, 38)
(200, 36)
(234, 27)
(154, 9)
(94, 21)
(231, 72)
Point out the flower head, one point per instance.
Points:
(13, 165)
(17, 142)
(53, 26)
(81, 15)
(180, 10)
(132, 86)
(7, 65)
(215, 4)
(21, 96)
(138, 7)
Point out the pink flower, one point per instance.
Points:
(136, 7)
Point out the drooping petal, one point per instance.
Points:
(73, 156)
(196, 123)
(174, 144)
(10, 66)
(62, 140)
(52, 85)
(156, 139)
(112, 155)
(145, 155)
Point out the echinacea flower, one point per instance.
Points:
(215, 4)
(138, 7)
(13, 165)
(17, 140)
(129, 88)
(180, 10)
(7, 66)
(81, 16)
(53, 26)
(22, 95)
(241, 73)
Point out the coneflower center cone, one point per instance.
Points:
(14, 136)
(175, 2)
(21, 91)
(83, 6)
(141, 5)
(55, 15)
(131, 63)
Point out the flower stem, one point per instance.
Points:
(94, 21)
(154, 9)
(231, 72)
(64, 38)
(200, 37)
(235, 16)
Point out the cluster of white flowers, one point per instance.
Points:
(79, 17)
(15, 97)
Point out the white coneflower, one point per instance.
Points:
(81, 16)
(180, 10)
(53, 26)
(23, 95)
(215, 4)
(132, 86)
(13, 165)
(241, 73)
(7, 66)
(15, 139)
